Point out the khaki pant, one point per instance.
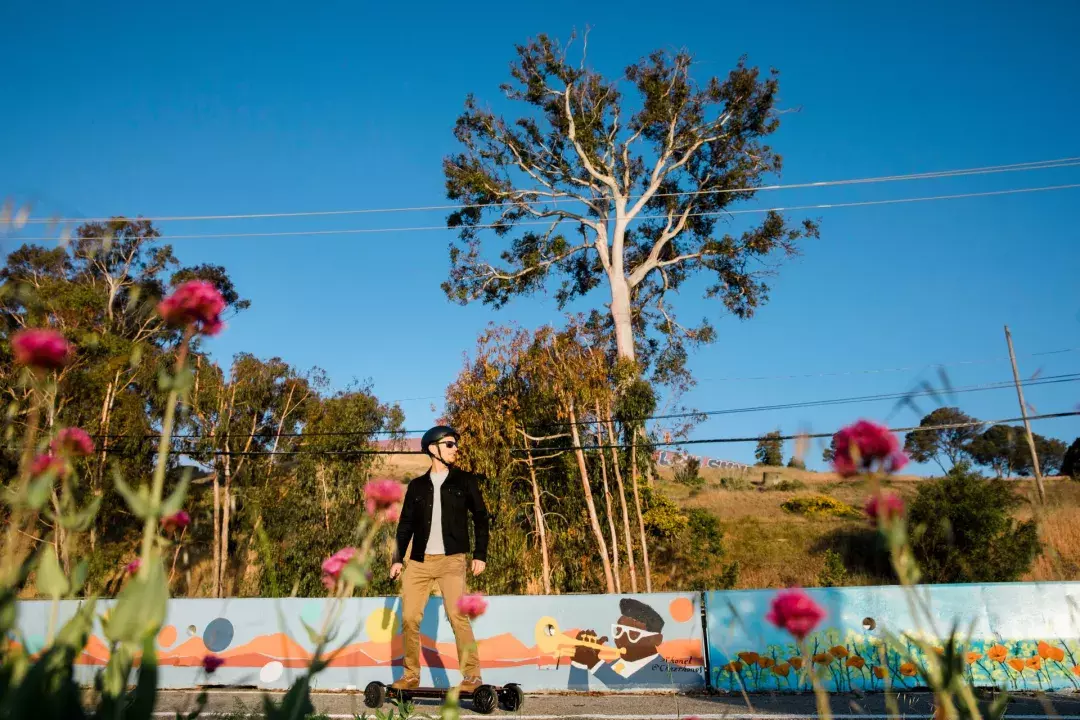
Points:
(449, 572)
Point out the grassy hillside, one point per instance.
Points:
(776, 548)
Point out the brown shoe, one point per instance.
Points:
(406, 683)
(470, 684)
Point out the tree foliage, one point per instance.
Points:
(620, 192)
(101, 291)
(770, 450)
(939, 445)
(1005, 450)
(964, 530)
(1070, 461)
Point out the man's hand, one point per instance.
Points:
(395, 570)
(587, 656)
(478, 566)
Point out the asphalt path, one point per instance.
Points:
(339, 705)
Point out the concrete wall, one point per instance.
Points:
(1024, 636)
(527, 640)
(1019, 635)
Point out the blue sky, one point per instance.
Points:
(248, 107)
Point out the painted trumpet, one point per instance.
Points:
(553, 641)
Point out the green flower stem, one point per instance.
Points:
(12, 558)
(164, 444)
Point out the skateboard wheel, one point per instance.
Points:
(484, 699)
(513, 697)
(375, 694)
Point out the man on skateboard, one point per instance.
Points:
(434, 516)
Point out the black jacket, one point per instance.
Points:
(460, 494)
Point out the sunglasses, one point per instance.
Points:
(632, 634)
(450, 444)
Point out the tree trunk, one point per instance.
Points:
(97, 480)
(607, 511)
(217, 537)
(538, 516)
(226, 512)
(621, 316)
(640, 517)
(589, 504)
(622, 502)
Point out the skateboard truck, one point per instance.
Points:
(485, 698)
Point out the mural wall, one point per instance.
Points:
(667, 458)
(642, 641)
(1023, 636)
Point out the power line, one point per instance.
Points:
(1049, 380)
(546, 449)
(837, 373)
(930, 175)
(491, 226)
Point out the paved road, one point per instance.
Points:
(644, 707)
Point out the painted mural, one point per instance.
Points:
(1023, 636)
(587, 642)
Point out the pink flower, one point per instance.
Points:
(392, 514)
(195, 301)
(177, 521)
(796, 612)
(383, 495)
(133, 566)
(210, 663)
(884, 507)
(472, 606)
(862, 445)
(333, 565)
(73, 441)
(41, 349)
(45, 462)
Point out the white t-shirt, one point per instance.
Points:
(435, 544)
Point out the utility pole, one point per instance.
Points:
(1023, 414)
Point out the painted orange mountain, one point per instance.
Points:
(503, 650)
(267, 648)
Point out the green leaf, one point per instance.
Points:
(78, 577)
(175, 501)
(117, 670)
(353, 572)
(145, 695)
(51, 580)
(139, 502)
(76, 632)
(135, 359)
(183, 380)
(80, 521)
(312, 633)
(140, 608)
(164, 381)
(37, 493)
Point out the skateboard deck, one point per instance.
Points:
(484, 699)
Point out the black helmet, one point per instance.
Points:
(436, 434)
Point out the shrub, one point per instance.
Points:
(796, 463)
(819, 505)
(688, 473)
(963, 530)
(787, 485)
(833, 573)
(735, 483)
(1070, 463)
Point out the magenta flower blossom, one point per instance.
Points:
(472, 606)
(884, 507)
(177, 521)
(382, 495)
(194, 302)
(40, 349)
(45, 462)
(73, 441)
(796, 612)
(210, 663)
(133, 566)
(333, 565)
(861, 446)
